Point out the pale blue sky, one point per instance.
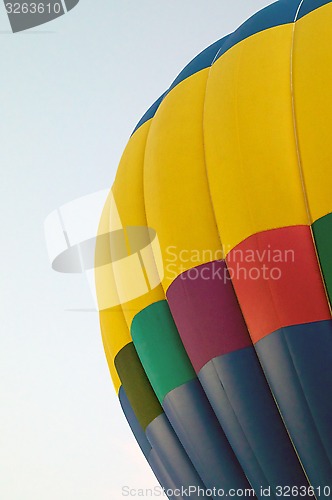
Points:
(71, 93)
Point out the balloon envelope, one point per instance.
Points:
(219, 334)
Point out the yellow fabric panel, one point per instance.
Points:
(110, 359)
(129, 199)
(130, 309)
(107, 295)
(128, 184)
(177, 197)
(114, 329)
(312, 72)
(250, 144)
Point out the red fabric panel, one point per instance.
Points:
(277, 280)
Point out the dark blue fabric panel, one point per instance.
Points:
(217, 396)
(162, 474)
(134, 424)
(163, 450)
(297, 361)
(310, 5)
(276, 14)
(249, 395)
(199, 431)
(150, 113)
(202, 61)
(310, 347)
(165, 442)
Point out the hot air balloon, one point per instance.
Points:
(213, 265)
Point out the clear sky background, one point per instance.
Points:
(71, 92)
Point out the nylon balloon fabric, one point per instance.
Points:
(215, 289)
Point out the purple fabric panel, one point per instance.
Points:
(207, 314)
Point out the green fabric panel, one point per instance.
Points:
(136, 385)
(322, 230)
(160, 349)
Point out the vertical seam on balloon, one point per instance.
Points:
(226, 447)
(104, 338)
(163, 292)
(272, 298)
(153, 254)
(215, 218)
(205, 162)
(238, 421)
(299, 156)
(191, 442)
(212, 205)
(211, 199)
(210, 193)
(275, 308)
(160, 285)
(218, 234)
(263, 371)
(277, 402)
(179, 445)
(143, 192)
(294, 119)
(145, 219)
(196, 456)
(304, 394)
(241, 163)
(126, 326)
